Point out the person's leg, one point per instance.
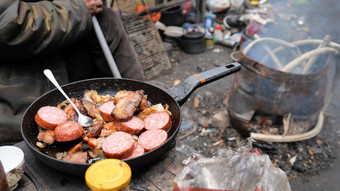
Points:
(122, 50)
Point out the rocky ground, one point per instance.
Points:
(206, 128)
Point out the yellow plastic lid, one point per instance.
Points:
(108, 174)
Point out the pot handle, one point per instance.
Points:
(184, 89)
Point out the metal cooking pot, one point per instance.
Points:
(172, 17)
(174, 97)
(193, 42)
(270, 91)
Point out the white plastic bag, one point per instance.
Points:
(230, 170)
(216, 6)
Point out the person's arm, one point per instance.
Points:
(28, 29)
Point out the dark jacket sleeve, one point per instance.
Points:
(29, 29)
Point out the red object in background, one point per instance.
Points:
(258, 189)
(218, 27)
(156, 16)
(253, 28)
(257, 151)
(187, 8)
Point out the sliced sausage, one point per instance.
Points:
(152, 139)
(132, 126)
(106, 110)
(68, 131)
(49, 117)
(118, 145)
(159, 120)
(138, 151)
(77, 157)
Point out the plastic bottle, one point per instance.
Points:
(108, 175)
(231, 41)
(209, 38)
(208, 21)
(218, 34)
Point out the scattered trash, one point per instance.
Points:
(292, 160)
(218, 143)
(208, 93)
(310, 152)
(216, 50)
(187, 128)
(196, 102)
(206, 131)
(220, 116)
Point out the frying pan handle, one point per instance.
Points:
(183, 90)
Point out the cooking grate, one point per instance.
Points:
(148, 45)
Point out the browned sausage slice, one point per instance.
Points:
(118, 145)
(106, 110)
(127, 103)
(138, 151)
(159, 120)
(152, 139)
(95, 129)
(132, 126)
(49, 117)
(68, 131)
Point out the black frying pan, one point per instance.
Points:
(174, 97)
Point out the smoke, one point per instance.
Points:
(295, 20)
(320, 17)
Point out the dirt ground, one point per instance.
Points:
(205, 120)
